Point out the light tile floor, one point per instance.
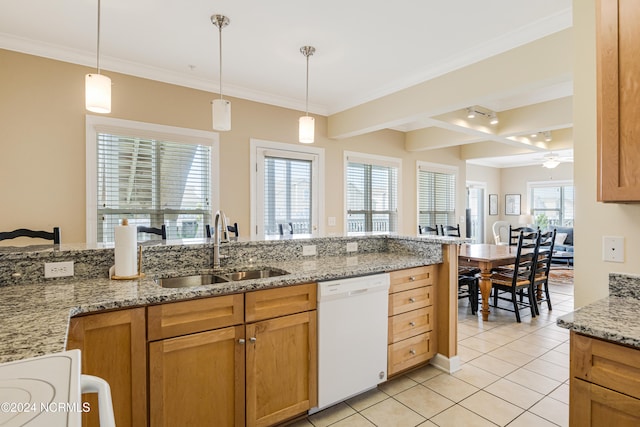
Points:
(512, 374)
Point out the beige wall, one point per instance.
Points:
(42, 143)
(593, 219)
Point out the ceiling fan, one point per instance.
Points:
(551, 160)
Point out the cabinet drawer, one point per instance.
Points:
(409, 324)
(277, 302)
(402, 280)
(404, 301)
(409, 353)
(187, 317)
(607, 364)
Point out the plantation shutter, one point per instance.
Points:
(372, 197)
(437, 198)
(287, 194)
(151, 183)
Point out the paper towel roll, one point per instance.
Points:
(126, 250)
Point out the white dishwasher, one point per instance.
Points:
(352, 336)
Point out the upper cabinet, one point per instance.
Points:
(618, 76)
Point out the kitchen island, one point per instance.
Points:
(605, 357)
(114, 320)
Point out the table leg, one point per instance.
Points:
(485, 290)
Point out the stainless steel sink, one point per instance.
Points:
(221, 277)
(254, 274)
(191, 281)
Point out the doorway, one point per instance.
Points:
(476, 211)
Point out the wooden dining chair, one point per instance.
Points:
(285, 228)
(540, 270)
(450, 230)
(512, 281)
(427, 229)
(35, 234)
(159, 231)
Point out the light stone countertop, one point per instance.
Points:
(34, 317)
(614, 318)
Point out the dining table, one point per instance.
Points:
(486, 257)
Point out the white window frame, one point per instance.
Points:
(437, 168)
(258, 149)
(378, 160)
(539, 184)
(101, 124)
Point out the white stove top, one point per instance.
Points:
(41, 391)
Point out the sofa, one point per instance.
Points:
(564, 235)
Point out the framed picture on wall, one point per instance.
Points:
(493, 204)
(512, 204)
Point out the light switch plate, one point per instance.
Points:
(613, 248)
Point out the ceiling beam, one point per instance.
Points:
(534, 65)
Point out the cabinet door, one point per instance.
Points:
(198, 379)
(113, 347)
(592, 405)
(281, 368)
(618, 66)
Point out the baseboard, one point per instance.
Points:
(446, 364)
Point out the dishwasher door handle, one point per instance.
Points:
(358, 291)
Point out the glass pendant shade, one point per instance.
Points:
(306, 129)
(97, 93)
(221, 112)
(550, 164)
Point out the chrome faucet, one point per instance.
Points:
(217, 239)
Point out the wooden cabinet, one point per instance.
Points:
(411, 337)
(207, 367)
(281, 354)
(618, 100)
(605, 383)
(113, 347)
(197, 362)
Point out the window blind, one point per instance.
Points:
(372, 198)
(436, 198)
(152, 183)
(288, 194)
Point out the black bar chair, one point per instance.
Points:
(36, 234)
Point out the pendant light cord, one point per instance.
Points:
(98, 42)
(220, 53)
(306, 106)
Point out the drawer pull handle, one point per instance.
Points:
(253, 339)
(412, 324)
(412, 278)
(412, 351)
(412, 299)
(241, 341)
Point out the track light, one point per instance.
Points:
(547, 136)
(473, 112)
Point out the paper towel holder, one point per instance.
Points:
(140, 274)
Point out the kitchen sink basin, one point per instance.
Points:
(221, 277)
(254, 274)
(191, 281)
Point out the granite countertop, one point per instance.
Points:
(614, 318)
(35, 317)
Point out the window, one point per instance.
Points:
(287, 188)
(552, 203)
(149, 176)
(436, 195)
(371, 193)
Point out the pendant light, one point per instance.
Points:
(97, 87)
(220, 108)
(306, 123)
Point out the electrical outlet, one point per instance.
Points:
(352, 247)
(58, 269)
(331, 221)
(613, 249)
(308, 250)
